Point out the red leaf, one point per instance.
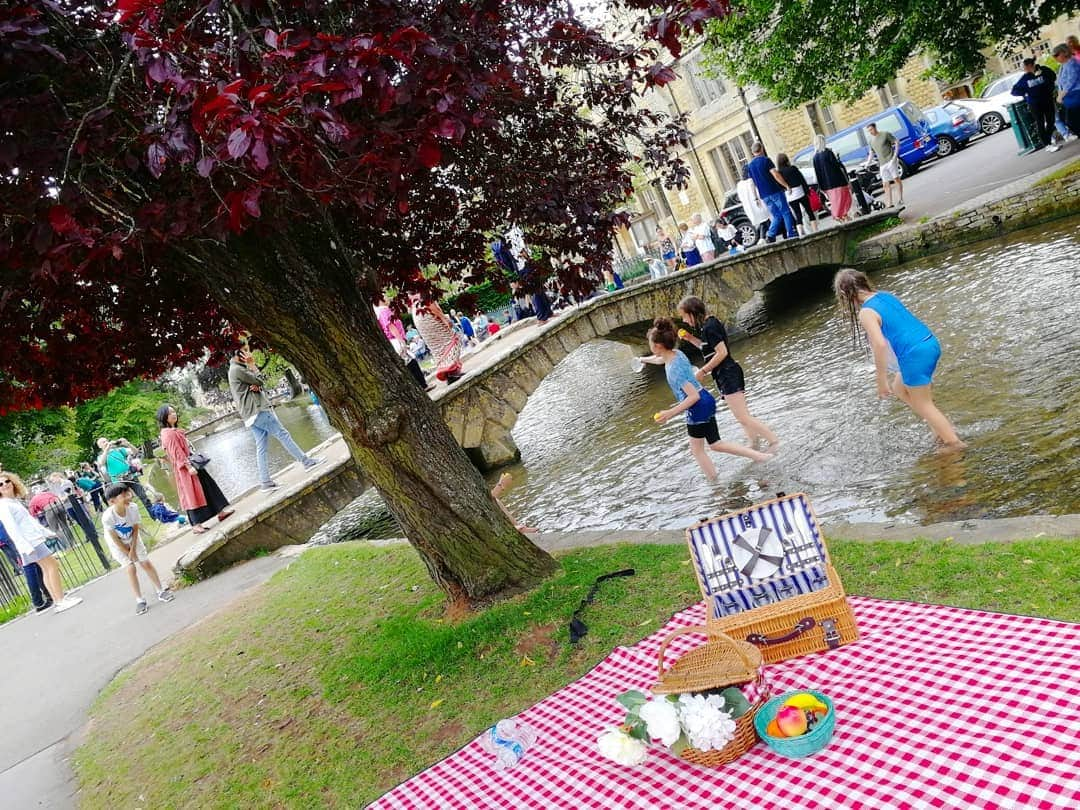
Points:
(238, 143)
(61, 220)
(260, 93)
(259, 154)
(429, 154)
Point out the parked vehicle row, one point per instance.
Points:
(922, 136)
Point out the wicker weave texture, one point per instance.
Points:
(745, 738)
(721, 661)
(778, 620)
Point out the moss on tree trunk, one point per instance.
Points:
(300, 294)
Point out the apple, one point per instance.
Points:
(791, 720)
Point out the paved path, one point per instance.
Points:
(986, 170)
(55, 666)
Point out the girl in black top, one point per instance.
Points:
(726, 373)
(798, 195)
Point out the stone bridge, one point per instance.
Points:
(482, 409)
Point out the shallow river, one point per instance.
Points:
(1009, 377)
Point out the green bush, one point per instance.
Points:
(484, 297)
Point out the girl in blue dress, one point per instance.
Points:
(693, 399)
(901, 343)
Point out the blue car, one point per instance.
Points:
(952, 126)
(905, 121)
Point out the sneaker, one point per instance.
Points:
(267, 485)
(66, 603)
(42, 608)
(313, 462)
(1052, 147)
(141, 607)
(165, 595)
(1071, 137)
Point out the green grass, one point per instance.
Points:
(1063, 173)
(340, 677)
(869, 231)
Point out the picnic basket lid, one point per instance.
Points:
(721, 661)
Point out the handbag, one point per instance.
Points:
(198, 461)
(815, 200)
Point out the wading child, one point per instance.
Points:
(726, 373)
(693, 400)
(121, 523)
(893, 332)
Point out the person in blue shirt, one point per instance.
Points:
(1068, 86)
(1036, 87)
(772, 188)
(902, 345)
(693, 399)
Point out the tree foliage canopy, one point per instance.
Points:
(144, 135)
(837, 50)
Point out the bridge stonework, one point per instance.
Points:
(482, 409)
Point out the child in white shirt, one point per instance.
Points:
(122, 523)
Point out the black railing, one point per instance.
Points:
(78, 547)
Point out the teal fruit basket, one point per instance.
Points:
(809, 743)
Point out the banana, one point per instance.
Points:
(806, 702)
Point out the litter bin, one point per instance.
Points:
(1023, 126)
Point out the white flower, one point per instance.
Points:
(620, 747)
(662, 720)
(707, 725)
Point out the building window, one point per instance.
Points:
(730, 159)
(1037, 51)
(643, 231)
(889, 95)
(821, 118)
(707, 88)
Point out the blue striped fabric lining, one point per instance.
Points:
(727, 589)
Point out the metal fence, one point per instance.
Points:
(78, 547)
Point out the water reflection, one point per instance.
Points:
(1009, 378)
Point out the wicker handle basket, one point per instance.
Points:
(732, 651)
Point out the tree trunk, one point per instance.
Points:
(299, 293)
(295, 388)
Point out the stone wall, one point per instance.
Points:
(1041, 203)
(286, 518)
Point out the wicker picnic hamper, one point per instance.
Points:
(720, 662)
(767, 579)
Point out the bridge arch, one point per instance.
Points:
(483, 408)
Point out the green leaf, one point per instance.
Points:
(632, 699)
(735, 701)
(680, 744)
(639, 732)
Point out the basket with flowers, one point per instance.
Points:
(702, 707)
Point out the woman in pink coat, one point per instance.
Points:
(198, 492)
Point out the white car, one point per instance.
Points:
(991, 107)
(991, 115)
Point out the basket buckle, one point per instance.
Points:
(832, 635)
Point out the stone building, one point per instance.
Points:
(720, 116)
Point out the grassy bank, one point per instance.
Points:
(339, 678)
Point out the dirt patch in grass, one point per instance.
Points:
(538, 643)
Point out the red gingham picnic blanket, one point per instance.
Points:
(936, 707)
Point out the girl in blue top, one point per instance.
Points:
(692, 399)
(900, 343)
